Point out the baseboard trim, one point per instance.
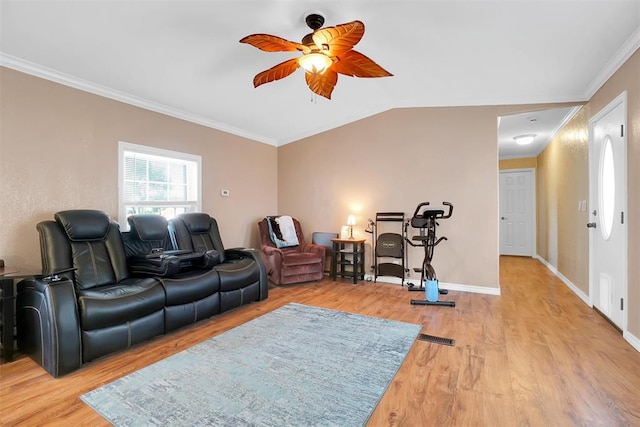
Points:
(584, 297)
(628, 336)
(451, 286)
(632, 339)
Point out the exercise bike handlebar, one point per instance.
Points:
(415, 214)
(450, 206)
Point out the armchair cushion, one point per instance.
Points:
(150, 228)
(95, 245)
(197, 223)
(119, 303)
(84, 225)
(299, 258)
(198, 232)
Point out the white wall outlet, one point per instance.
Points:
(225, 193)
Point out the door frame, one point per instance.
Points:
(620, 99)
(534, 209)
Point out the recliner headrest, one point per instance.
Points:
(84, 224)
(197, 222)
(148, 226)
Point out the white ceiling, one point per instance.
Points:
(183, 58)
(544, 124)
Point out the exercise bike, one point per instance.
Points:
(425, 219)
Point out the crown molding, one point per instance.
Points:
(566, 119)
(46, 73)
(621, 56)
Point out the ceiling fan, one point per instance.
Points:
(326, 52)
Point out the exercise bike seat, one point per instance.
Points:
(422, 220)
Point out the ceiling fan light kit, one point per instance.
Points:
(315, 63)
(326, 52)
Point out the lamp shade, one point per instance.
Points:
(351, 220)
(315, 63)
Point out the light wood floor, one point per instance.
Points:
(534, 356)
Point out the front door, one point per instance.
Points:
(516, 212)
(607, 221)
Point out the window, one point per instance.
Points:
(607, 188)
(152, 180)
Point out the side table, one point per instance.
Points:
(347, 259)
(8, 307)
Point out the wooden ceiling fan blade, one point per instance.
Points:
(340, 38)
(276, 72)
(270, 43)
(355, 64)
(335, 43)
(322, 84)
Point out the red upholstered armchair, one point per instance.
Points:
(303, 262)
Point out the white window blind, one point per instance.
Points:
(157, 181)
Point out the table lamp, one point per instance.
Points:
(351, 221)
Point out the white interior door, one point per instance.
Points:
(517, 212)
(607, 222)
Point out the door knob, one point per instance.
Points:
(591, 225)
(502, 217)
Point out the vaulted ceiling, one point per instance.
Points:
(183, 58)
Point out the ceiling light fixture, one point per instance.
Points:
(524, 139)
(315, 63)
(326, 52)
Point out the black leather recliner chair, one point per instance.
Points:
(243, 276)
(190, 283)
(95, 309)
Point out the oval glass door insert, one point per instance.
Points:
(606, 188)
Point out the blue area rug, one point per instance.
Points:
(296, 366)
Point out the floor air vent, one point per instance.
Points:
(437, 340)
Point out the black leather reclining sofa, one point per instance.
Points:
(108, 290)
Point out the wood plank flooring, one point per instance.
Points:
(534, 356)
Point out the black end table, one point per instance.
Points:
(348, 253)
(8, 307)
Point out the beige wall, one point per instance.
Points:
(563, 181)
(520, 163)
(392, 162)
(563, 175)
(58, 150)
(628, 78)
(546, 205)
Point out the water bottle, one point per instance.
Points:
(431, 290)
